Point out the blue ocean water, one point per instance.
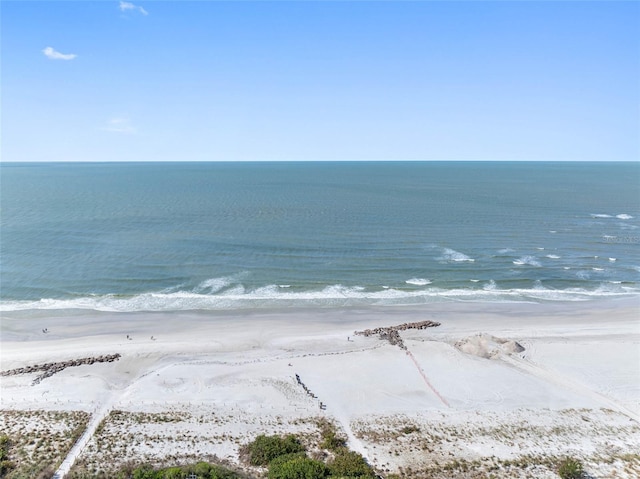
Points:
(186, 236)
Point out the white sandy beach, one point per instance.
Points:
(228, 376)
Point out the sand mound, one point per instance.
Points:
(487, 346)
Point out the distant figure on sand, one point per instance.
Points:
(152, 338)
(45, 330)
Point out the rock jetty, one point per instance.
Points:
(49, 369)
(392, 333)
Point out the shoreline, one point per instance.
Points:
(466, 378)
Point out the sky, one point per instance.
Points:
(320, 80)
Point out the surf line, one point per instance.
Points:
(426, 379)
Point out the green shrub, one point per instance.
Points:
(297, 466)
(174, 473)
(265, 449)
(330, 438)
(146, 472)
(570, 469)
(219, 472)
(350, 464)
(5, 464)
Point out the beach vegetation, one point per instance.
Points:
(409, 429)
(264, 449)
(145, 472)
(5, 463)
(331, 440)
(570, 468)
(131, 470)
(350, 464)
(297, 466)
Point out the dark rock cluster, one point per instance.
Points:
(392, 333)
(49, 369)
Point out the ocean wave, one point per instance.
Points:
(553, 256)
(527, 260)
(624, 216)
(490, 286)
(600, 215)
(449, 254)
(418, 281)
(330, 296)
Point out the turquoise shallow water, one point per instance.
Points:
(182, 236)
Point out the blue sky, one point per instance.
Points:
(351, 80)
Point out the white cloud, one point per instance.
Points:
(54, 55)
(124, 6)
(120, 125)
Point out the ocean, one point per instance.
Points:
(221, 236)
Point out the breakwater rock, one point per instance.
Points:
(392, 333)
(49, 369)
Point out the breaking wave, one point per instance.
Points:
(418, 281)
(449, 254)
(527, 260)
(275, 296)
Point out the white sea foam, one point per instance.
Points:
(490, 286)
(330, 296)
(540, 248)
(527, 260)
(418, 281)
(215, 285)
(624, 216)
(600, 215)
(212, 285)
(449, 254)
(474, 280)
(505, 250)
(612, 259)
(583, 274)
(598, 269)
(553, 256)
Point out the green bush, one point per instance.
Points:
(330, 438)
(219, 472)
(202, 470)
(570, 469)
(350, 464)
(297, 466)
(146, 472)
(5, 464)
(265, 449)
(174, 473)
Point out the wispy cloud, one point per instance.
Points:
(124, 6)
(120, 125)
(54, 55)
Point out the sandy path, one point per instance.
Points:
(102, 412)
